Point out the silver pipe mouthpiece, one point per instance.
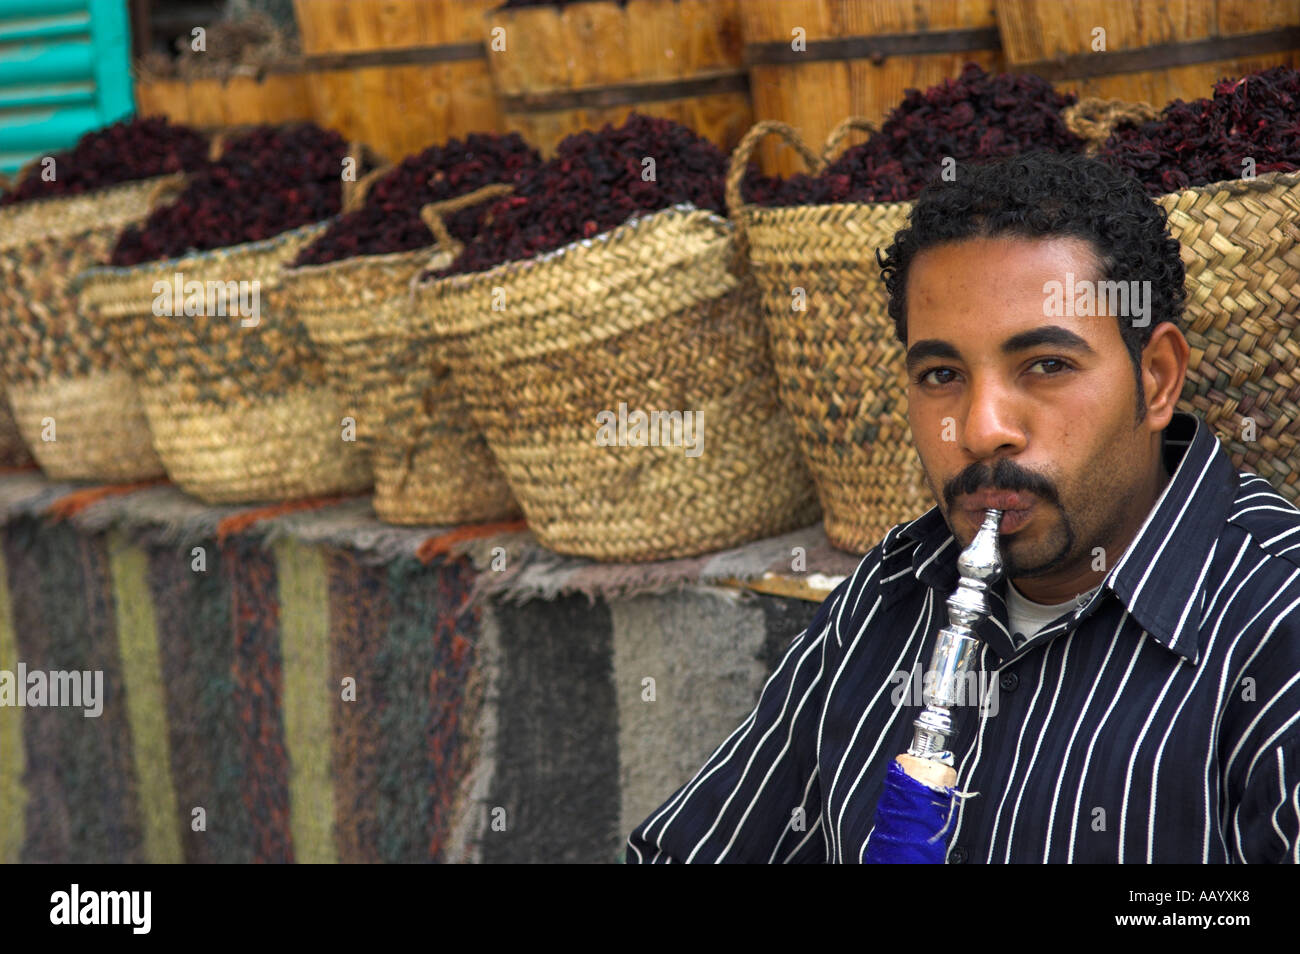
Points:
(980, 566)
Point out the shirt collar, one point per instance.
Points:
(1157, 579)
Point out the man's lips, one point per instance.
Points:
(1016, 507)
(996, 500)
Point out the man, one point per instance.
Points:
(1142, 668)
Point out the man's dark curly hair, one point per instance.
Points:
(1048, 195)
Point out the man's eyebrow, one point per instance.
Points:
(930, 348)
(1051, 335)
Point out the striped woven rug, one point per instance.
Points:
(281, 696)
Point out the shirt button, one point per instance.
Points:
(957, 856)
(1009, 681)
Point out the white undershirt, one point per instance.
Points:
(1027, 617)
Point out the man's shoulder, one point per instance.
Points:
(1270, 522)
(1255, 590)
(884, 568)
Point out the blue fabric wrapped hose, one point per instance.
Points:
(911, 823)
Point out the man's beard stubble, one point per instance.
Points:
(1059, 545)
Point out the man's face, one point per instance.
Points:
(1030, 414)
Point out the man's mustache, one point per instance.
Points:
(1006, 474)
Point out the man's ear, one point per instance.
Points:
(1164, 367)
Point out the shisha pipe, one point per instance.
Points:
(916, 803)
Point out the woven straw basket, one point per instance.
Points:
(238, 413)
(648, 317)
(13, 452)
(1240, 244)
(839, 365)
(58, 367)
(431, 464)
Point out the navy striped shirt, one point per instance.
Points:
(1159, 721)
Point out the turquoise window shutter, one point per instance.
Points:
(65, 69)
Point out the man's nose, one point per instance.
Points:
(992, 426)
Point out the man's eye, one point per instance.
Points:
(1050, 365)
(937, 376)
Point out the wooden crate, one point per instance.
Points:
(400, 75)
(1156, 51)
(564, 69)
(239, 100)
(859, 57)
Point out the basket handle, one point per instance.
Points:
(222, 137)
(432, 219)
(433, 214)
(738, 260)
(166, 189)
(356, 190)
(744, 151)
(1094, 119)
(841, 132)
(7, 183)
(217, 145)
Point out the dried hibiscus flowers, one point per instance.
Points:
(389, 221)
(267, 181)
(974, 116)
(126, 151)
(597, 181)
(1256, 117)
